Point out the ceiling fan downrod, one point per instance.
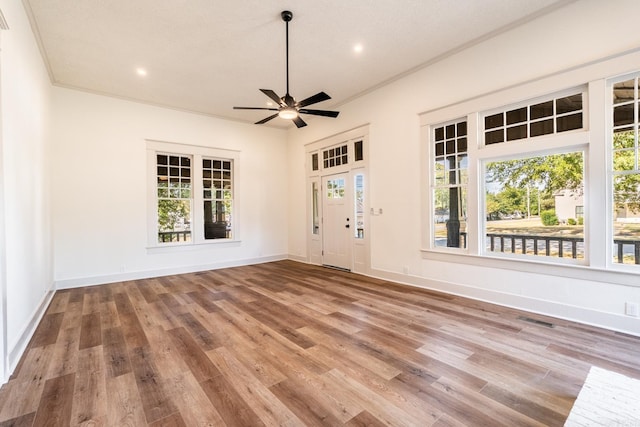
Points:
(287, 16)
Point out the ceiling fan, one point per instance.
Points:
(288, 108)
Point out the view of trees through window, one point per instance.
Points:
(534, 206)
(532, 201)
(626, 172)
(174, 197)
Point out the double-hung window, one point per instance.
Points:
(449, 184)
(625, 170)
(174, 197)
(191, 194)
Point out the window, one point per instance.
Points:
(335, 156)
(526, 201)
(335, 188)
(358, 151)
(315, 208)
(534, 195)
(449, 184)
(192, 194)
(218, 197)
(174, 198)
(538, 199)
(625, 168)
(541, 118)
(358, 204)
(531, 205)
(314, 162)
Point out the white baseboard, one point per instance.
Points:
(16, 350)
(610, 321)
(298, 258)
(146, 274)
(614, 322)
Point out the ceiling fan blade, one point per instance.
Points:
(271, 94)
(318, 97)
(298, 121)
(265, 120)
(325, 113)
(255, 108)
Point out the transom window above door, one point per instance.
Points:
(336, 156)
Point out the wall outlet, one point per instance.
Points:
(631, 309)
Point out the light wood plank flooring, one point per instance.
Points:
(285, 343)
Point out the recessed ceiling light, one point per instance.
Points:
(141, 72)
(269, 104)
(357, 48)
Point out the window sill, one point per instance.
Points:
(574, 271)
(192, 246)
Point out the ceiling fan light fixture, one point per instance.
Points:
(287, 107)
(288, 113)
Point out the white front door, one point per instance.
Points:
(337, 221)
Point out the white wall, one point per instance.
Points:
(99, 189)
(575, 40)
(26, 239)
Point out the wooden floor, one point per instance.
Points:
(285, 343)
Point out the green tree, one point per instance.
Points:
(551, 173)
(626, 187)
(492, 206)
(549, 217)
(507, 201)
(172, 212)
(565, 171)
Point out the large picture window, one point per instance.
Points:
(531, 206)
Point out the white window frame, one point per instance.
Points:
(609, 125)
(433, 187)
(197, 154)
(479, 154)
(537, 100)
(594, 139)
(554, 144)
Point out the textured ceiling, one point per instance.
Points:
(206, 56)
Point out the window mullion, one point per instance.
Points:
(475, 219)
(198, 205)
(596, 167)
